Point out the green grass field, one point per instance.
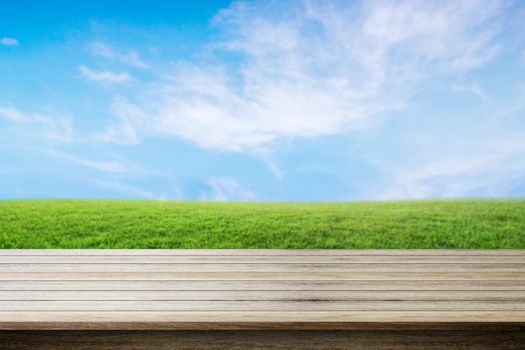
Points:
(164, 224)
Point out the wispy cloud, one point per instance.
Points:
(130, 58)
(104, 76)
(38, 126)
(111, 167)
(124, 188)
(324, 68)
(492, 168)
(12, 114)
(126, 129)
(278, 71)
(226, 189)
(472, 88)
(6, 41)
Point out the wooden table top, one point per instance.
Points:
(262, 289)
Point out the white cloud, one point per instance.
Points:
(37, 125)
(127, 129)
(492, 170)
(12, 114)
(130, 58)
(5, 41)
(105, 76)
(474, 89)
(226, 189)
(125, 188)
(308, 69)
(112, 167)
(513, 109)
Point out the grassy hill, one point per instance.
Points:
(165, 224)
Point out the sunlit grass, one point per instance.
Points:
(165, 224)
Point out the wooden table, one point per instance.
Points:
(236, 299)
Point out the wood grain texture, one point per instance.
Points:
(315, 305)
(291, 295)
(262, 289)
(235, 340)
(263, 276)
(259, 259)
(266, 267)
(239, 319)
(256, 285)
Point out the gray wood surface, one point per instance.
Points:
(262, 289)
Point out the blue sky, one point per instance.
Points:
(262, 100)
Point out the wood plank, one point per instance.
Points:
(261, 259)
(263, 252)
(268, 285)
(263, 340)
(261, 305)
(264, 289)
(258, 276)
(265, 267)
(284, 295)
(258, 319)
